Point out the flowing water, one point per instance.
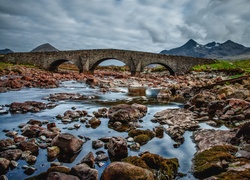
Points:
(162, 146)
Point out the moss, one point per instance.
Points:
(141, 136)
(208, 162)
(135, 160)
(142, 139)
(165, 168)
(234, 175)
(168, 167)
(136, 132)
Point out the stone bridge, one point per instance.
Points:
(88, 60)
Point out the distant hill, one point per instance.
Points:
(226, 50)
(5, 51)
(44, 48)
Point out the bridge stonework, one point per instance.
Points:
(88, 60)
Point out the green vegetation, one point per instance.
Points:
(208, 162)
(165, 168)
(9, 66)
(237, 68)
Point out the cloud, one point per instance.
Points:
(142, 25)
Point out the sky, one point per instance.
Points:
(140, 25)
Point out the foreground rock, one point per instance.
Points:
(67, 143)
(218, 158)
(123, 116)
(29, 106)
(161, 167)
(122, 170)
(178, 120)
(117, 147)
(207, 138)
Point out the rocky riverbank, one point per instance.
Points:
(220, 153)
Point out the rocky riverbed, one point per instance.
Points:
(219, 153)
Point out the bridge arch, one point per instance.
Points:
(171, 71)
(97, 62)
(55, 64)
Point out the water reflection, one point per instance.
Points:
(162, 146)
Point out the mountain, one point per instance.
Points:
(5, 51)
(44, 48)
(226, 50)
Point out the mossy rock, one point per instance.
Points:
(141, 136)
(165, 168)
(142, 139)
(209, 162)
(234, 175)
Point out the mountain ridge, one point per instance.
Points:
(214, 50)
(44, 48)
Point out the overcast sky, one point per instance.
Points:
(142, 25)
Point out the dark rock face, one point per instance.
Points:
(67, 143)
(89, 159)
(117, 147)
(83, 171)
(29, 146)
(4, 165)
(126, 171)
(11, 154)
(243, 135)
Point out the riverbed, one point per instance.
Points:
(162, 146)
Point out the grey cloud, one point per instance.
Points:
(144, 25)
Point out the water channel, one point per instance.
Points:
(162, 146)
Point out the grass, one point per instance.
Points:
(234, 69)
(9, 66)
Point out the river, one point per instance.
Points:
(162, 146)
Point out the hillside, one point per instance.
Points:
(5, 51)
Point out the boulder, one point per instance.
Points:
(117, 147)
(126, 171)
(29, 146)
(96, 144)
(162, 167)
(61, 176)
(178, 121)
(94, 122)
(213, 161)
(83, 171)
(4, 165)
(53, 152)
(126, 113)
(4, 143)
(89, 159)
(141, 136)
(67, 143)
(11, 154)
(207, 138)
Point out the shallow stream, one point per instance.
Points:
(162, 146)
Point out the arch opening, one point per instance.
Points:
(110, 66)
(158, 68)
(63, 66)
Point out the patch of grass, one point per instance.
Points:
(10, 66)
(237, 68)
